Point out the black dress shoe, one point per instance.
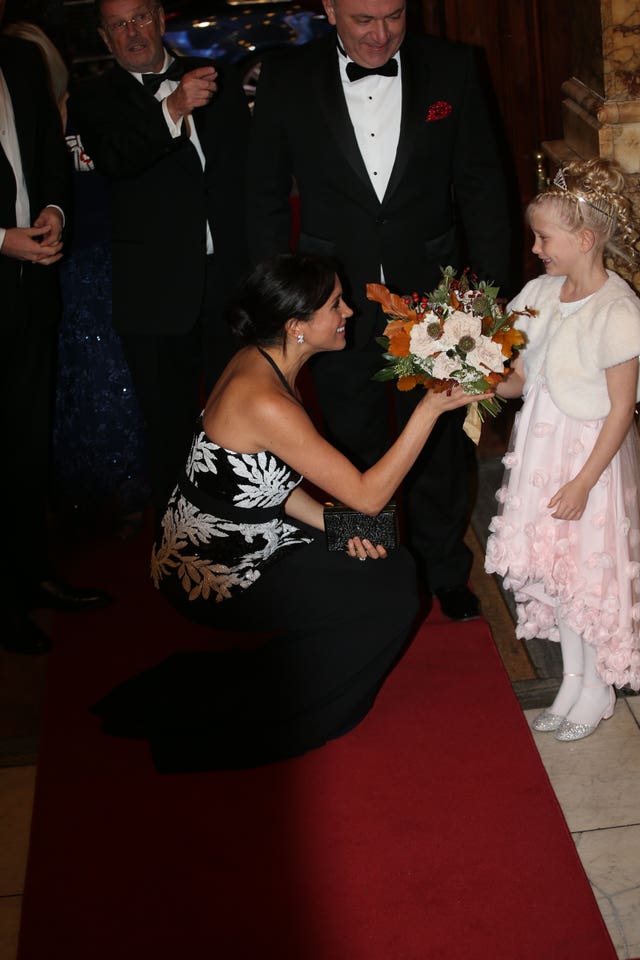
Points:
(58, 595)
(458, 603)
(22, 635)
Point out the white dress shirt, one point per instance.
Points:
(165, 89)
(375, 107)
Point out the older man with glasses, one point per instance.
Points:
(169, 135)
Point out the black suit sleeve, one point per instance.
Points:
(52, 152)
(44, 156)
(479, 183)
(123, 128)
(224, 139)
(269, 178)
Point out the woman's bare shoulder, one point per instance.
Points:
(246, 405)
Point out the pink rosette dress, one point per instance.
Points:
(586, 572)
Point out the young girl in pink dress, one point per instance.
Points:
(566, 539)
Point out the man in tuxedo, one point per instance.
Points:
(169, 135)
(388, 139)
(34, 200)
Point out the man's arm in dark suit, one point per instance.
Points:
(269, 176)
(125, 132)
(122, 126)
(224, 125)
(224, 141)
(45, 160)
(479, 183)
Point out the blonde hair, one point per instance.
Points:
(588, 194)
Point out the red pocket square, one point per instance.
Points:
(438, 111)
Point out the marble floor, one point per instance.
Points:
(597, 783)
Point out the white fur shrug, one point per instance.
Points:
(575, 352)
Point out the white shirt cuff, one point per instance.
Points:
(60, 211)
(175, 129)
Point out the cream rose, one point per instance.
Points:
(460, 325)
(421, 343)
(443, 366)
(486, 354)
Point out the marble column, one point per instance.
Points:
(601, 105)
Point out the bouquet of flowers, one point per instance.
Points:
(458, 334)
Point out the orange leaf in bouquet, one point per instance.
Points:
(391, 303)
(409, 383)
(487, 325)
(509, 339)
(399, 334)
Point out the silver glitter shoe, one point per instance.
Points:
(546, 722)
(568, 730)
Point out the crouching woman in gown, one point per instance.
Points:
(243, 548)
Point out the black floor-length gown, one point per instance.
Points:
(230, 558)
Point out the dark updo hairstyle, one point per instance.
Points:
(281, 288)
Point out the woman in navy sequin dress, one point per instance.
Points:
(99, 453)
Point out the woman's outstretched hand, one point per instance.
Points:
(451, 399)
(365, 550)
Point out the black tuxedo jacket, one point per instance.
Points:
(45, 162)
(447, 178)
(160, 198)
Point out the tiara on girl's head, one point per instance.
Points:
(559, 180)
(604, 201)
(600, 204)
(596, 199)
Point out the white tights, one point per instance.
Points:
(583, 695)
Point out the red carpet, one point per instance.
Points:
(429, 833)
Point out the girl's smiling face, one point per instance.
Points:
(557, 247)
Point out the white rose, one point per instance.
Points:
(460, 325)
(420, 342)
(444, 366)
(486, 355)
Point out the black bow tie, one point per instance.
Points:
(356, 72)
(152, 81)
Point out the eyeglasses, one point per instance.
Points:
(140, 20)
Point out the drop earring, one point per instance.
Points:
(300, 338)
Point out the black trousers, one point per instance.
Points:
(362, 416)
(28, 332)
(172, 376)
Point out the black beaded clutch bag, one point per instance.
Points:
(341, 523)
